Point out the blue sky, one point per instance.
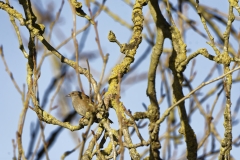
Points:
(132, 97)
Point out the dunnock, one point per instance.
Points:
(81, 103)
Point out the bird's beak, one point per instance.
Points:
(68, 95)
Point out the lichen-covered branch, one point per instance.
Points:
(153, 111)
(119, 70)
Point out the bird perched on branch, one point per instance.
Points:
(82, 104)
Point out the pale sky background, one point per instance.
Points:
(10, 99)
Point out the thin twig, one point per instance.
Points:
(166, 113)
(9, 72)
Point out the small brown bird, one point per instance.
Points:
(81, 103)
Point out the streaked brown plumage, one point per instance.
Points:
(80, 102)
